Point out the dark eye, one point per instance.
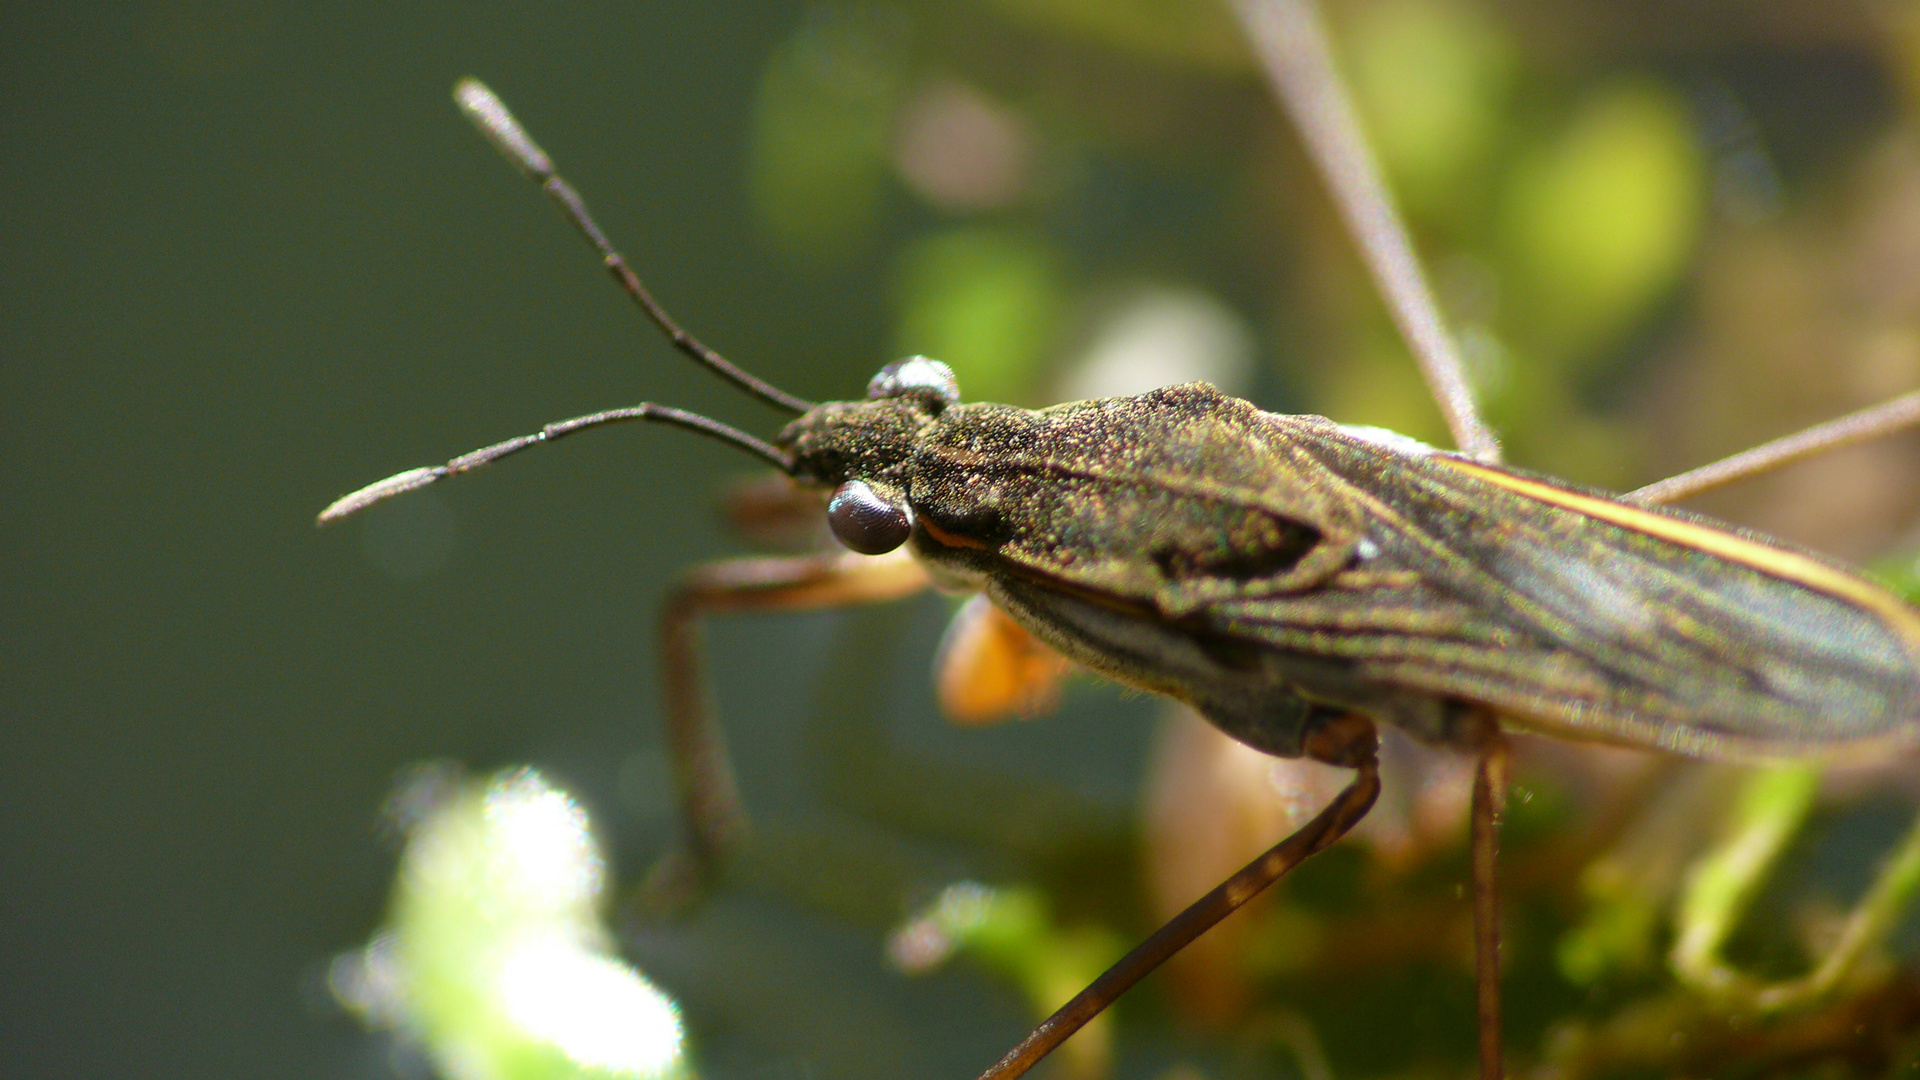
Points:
(866, 522)
(916, 375)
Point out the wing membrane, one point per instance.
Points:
(1651, 627)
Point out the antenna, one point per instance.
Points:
(490, 115)
(413, 479)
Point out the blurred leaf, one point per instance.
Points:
(985, 301)
(817, 170)
(1615, 937)
(1598, 221)
(494, 958)
(1012, 933)
(1188, 33)
(1903, 576)
(1376, 383)
(1772, 807)
(1431, 78)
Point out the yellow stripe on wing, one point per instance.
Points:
(1776, 562)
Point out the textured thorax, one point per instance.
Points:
(1172, 498)
(864, 440)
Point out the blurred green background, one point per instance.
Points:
(253, 258)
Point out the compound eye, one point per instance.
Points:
(866, 522)
(916, 376)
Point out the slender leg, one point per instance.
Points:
(1884, 419)
(1291, 43)
(1355, 749)
(709, 797)
(1489, 801)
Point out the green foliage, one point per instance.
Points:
(1597, 221)
(494, 959)
(986, 301)
(1433, 79)
(817, 169)
(1189, 33)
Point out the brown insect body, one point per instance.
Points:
(1279, 571)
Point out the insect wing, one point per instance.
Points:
(1568, 611)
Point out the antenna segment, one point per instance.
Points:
(490, 115)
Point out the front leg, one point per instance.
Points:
(714, 818)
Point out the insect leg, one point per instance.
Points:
(709, 798)
(1347, 741)
(1291, 43)
(1489, 801)
(1870, 423)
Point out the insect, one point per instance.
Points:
(1293, 579)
